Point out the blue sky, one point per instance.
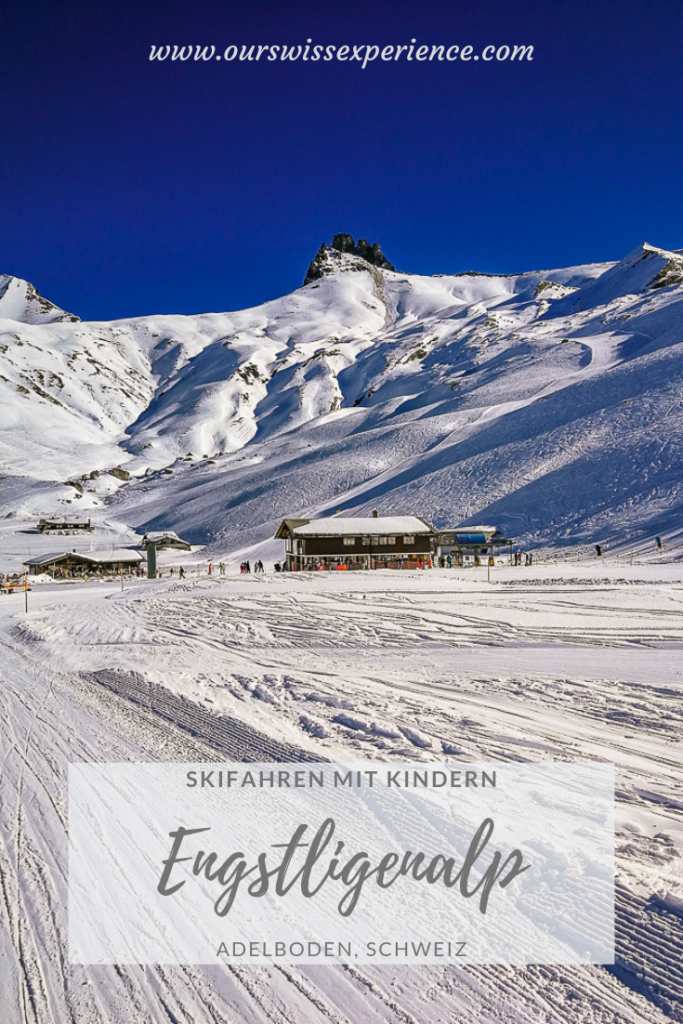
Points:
(136, 187)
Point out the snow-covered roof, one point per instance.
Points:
(117, 555)
(166, 538)
(43, 559)
(337, 526)
(469, 529)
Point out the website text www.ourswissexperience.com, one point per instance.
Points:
(363, 55)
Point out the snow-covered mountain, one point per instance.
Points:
(546, 402)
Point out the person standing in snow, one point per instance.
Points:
(182, 573)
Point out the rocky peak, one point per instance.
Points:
(328, 259)
(20, 301)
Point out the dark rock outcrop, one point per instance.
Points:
(327, 262)
(344, 243)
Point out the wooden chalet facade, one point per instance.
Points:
(377, 542)
(64, 526)
(75, 563)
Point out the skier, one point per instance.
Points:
(658, 542)
(182, 573)
(598, 550)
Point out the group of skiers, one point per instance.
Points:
(221, 568)
(245, 567)
(517, 558)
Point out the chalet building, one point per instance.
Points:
(377, 542)
(64, 525)
(469, 543)
(157, 540)
(75, 563)
(165, 539)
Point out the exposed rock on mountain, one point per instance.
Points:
(327, 259)
(370, 253)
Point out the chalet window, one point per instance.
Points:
(375, 540)
(383, 540)
(391, 540)
(408, 540)
(349, 541)
(366, 541)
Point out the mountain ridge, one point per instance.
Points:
(459, 397)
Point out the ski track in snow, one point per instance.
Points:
(227, 669)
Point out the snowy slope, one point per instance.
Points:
(547, 403)
(540, 665)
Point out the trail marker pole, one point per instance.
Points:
(26, 592)
(121, 575)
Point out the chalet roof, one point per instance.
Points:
(289, 525)
(117, 555)
(168, 538)
(44, 559)
(338, 526)
(489, 530)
